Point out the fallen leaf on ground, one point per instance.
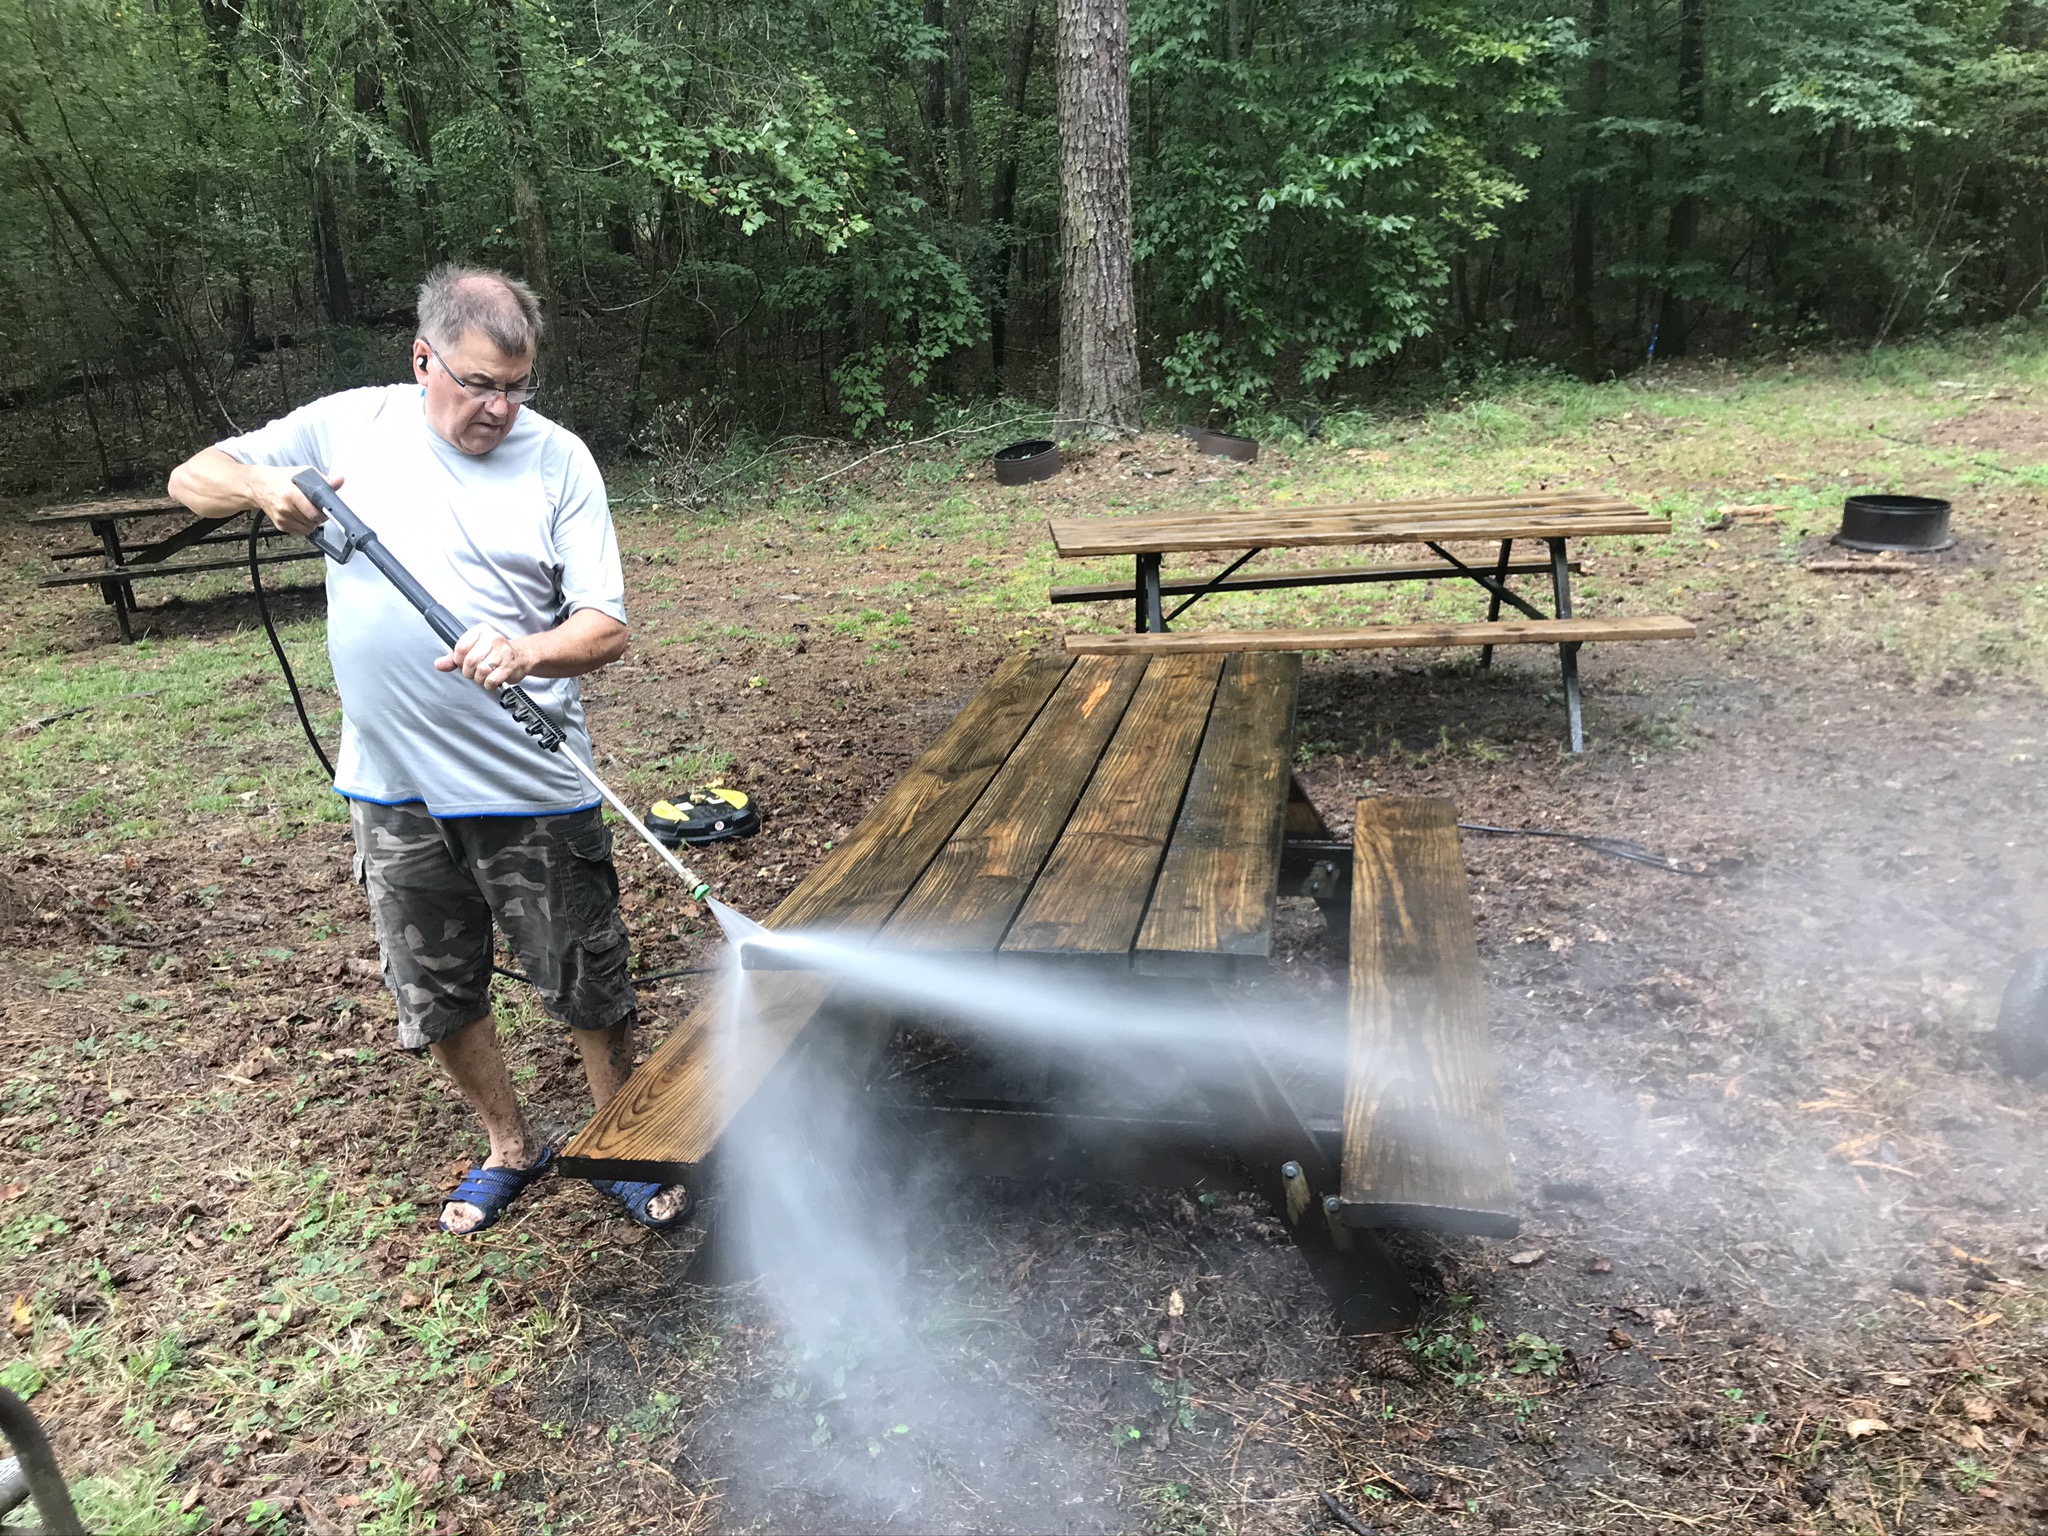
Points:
(1862, 1429)
(1979, 1410)
(21, 1321)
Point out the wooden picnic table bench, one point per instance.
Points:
(1131, 820)
(124, 561)
(1555, 518)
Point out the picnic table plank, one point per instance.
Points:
(1425, 1142)
(1386, 636)
(1091, 895)
(676, 1106)
(861, 881)
(184, 568)
(974, 885)
(1212, 906)
(1273, 581)
(96, 511)
(1080, 536)
(1505, 503)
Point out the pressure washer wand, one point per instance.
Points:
(345, 535)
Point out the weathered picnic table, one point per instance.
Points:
(123, 561)
(1553, 517)
(1134, 820)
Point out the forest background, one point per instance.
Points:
(817, 216)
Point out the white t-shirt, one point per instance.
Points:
(518, 538)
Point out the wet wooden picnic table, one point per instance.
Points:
(1119, 814)
(1133, 820)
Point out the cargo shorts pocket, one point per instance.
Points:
(592, 880)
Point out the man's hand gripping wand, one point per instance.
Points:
(344, 535)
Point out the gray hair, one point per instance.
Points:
(454, 300)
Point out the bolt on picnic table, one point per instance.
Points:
(1553, 517)
(1130, 822)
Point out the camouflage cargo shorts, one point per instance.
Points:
(435, 887)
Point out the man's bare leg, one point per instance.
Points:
(471, 1055)
(607, 1063)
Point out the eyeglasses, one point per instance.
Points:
(515, 394)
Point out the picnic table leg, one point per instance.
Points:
(1151, 606)
(1500, 573)
(114, 590)
(1297, 1172)
(1568, 655)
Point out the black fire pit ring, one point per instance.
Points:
(1223, 445)
(1883, 523)
(1036, 458)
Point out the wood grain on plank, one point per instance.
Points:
(117, 508)
(1212, 906)
(861, 881)
(1565, 503)
(1425, 1143)
(1358, 522)
(1385, 636)
(972, 888)
(1091, 896)
(673, 1109)
(1314, 576)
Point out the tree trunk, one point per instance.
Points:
(1009, 252)
(931, 109)
(330, 260)
(1684, 228)
(1585, 206)
(975, 370)
(529, 208)
(1098, 316)
(330, 265)
(416, 127)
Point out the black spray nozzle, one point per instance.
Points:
(531, 716)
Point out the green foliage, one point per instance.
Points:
(749, 217)
(1300, 192)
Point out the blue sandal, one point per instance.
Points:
(492, 1190)
(637, 1197)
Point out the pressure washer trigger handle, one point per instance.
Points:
(343, 533)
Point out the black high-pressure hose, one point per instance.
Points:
(291, 683)
(38, 1467)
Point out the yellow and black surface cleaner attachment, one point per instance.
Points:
(345, 535)
(709, 813)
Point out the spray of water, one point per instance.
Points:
(829, 1208)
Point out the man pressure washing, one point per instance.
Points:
(459, 823)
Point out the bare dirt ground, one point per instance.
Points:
(1784, 1262)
